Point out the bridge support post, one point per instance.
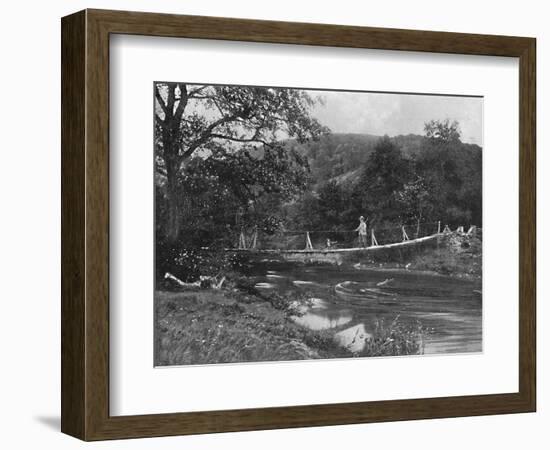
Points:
(405, 236)
(254, 239)
(242, 241)
(373, 241)
(308, 242)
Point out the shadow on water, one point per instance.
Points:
(346, 297)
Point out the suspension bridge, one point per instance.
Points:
(250, 244)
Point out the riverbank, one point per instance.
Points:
(211, 326)
(221, 326)
(455, 255)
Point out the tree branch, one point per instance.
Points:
(206, 135)
(160, 100)
(192, 93)
(235, 139)
(184, 98)
(171, 100)
(160, 121)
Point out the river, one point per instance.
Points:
(351, 297)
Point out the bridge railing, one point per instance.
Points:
(334, 239)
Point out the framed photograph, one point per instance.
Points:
(273, 225)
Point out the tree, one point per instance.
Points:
(439, 164)
(414, 201)
(385, 173)
(330, 204)
(197, 119)
(442, 131)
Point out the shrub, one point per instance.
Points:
(396, 339)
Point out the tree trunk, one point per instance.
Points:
(172, 160)
(173, 216)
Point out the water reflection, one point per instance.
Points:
(345, 298)
(323, 320)
(353, 338)
(264, 285)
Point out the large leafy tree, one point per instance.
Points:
(208, 120)
(242, 191)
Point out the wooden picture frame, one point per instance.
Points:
(85, 224)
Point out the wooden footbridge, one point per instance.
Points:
(251, 244)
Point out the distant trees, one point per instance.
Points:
(414, 201)
(452, 173)
(439, 178)
(384, 174)
(442, 130)
(331, 199)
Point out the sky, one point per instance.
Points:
(394, 114)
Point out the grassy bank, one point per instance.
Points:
(228, 326)
(462, 262)
(453, 255)
(214, 326)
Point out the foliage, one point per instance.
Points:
(220, 196)
(461, 257)
(336, 156)
(385, 172)
(413, 201)
(396, 339)
(189, 264)
(442, 131)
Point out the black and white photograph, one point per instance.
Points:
(268, 226)
(302, 224)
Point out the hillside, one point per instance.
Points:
(336, 154)
(340, 157)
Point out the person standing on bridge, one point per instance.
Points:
(362, 229)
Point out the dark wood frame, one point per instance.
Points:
(85, 224)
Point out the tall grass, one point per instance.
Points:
(396, 339)
(210, 327)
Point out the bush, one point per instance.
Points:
(189, 264)
(396, 339)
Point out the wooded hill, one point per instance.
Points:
(405, 179)
(341, 157)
